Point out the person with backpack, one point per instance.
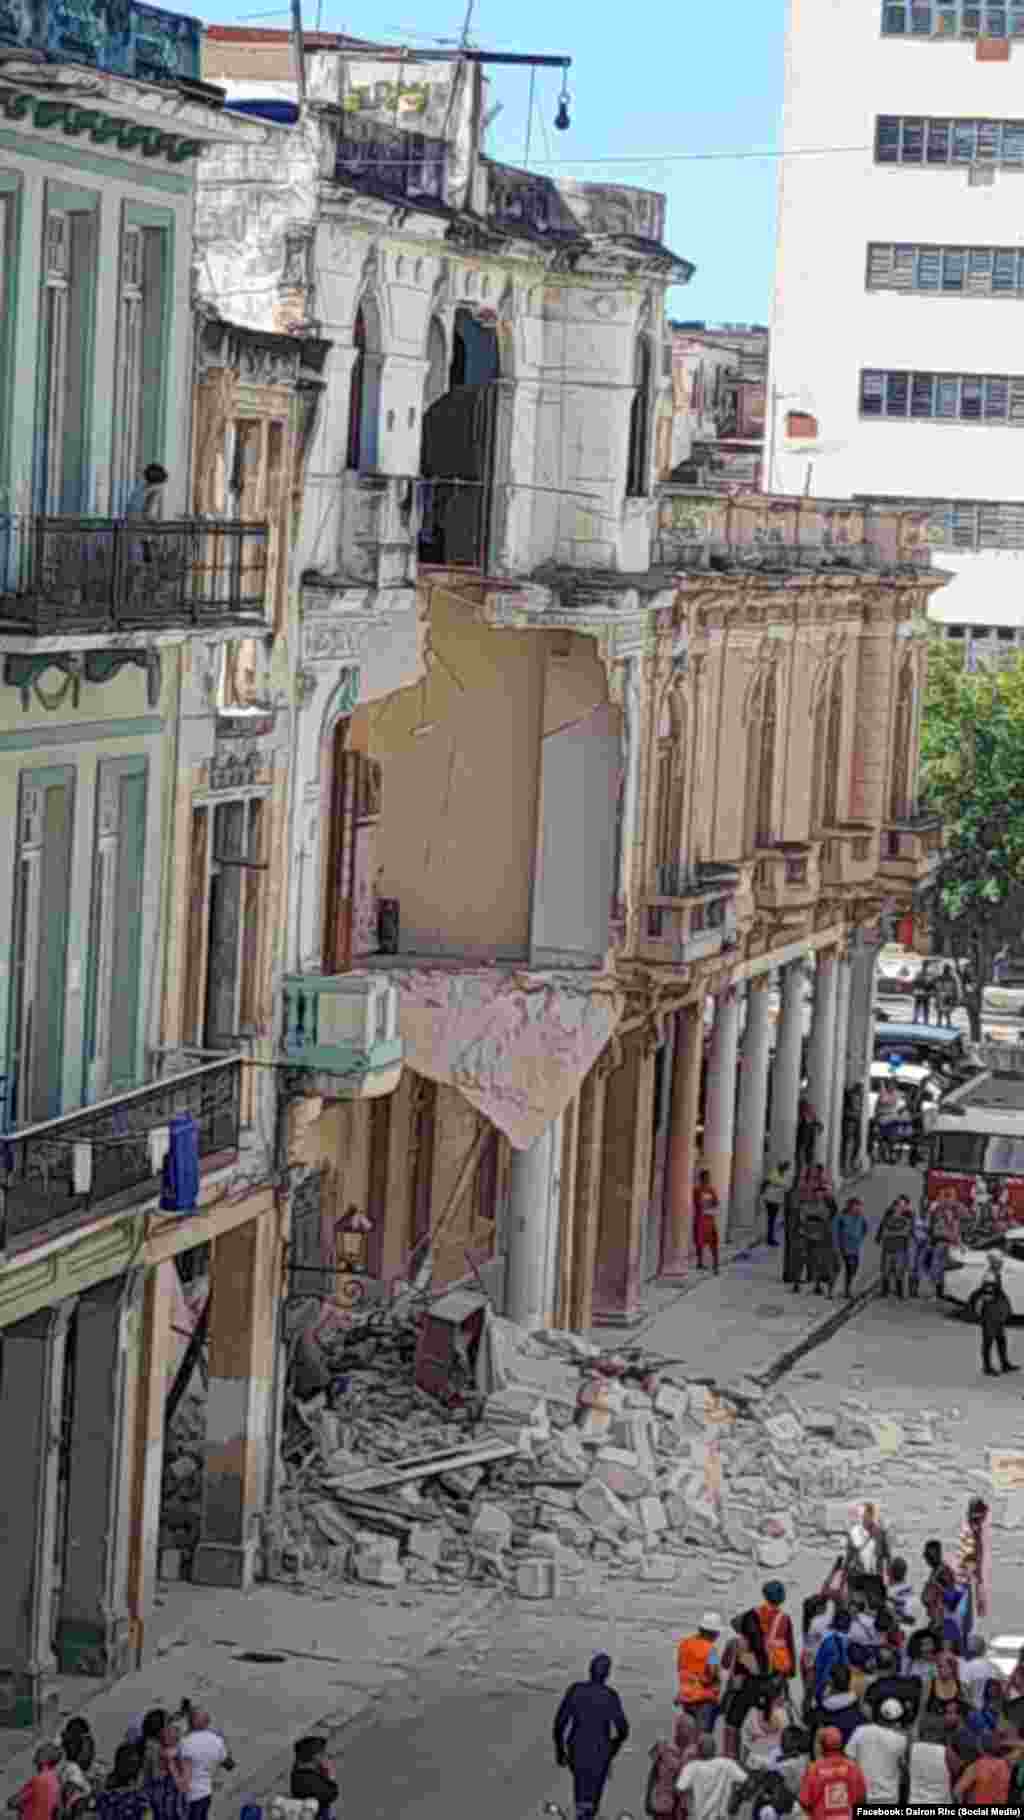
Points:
(894, 1236)
(833, 1652)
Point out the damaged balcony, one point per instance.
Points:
(849, 855)
(125, 40)
(703, 530)
(341, 1034)
(98, 1161)
(692, 914)
(787, 877)
(909, 850)
(99, 575)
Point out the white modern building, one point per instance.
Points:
(897, 368)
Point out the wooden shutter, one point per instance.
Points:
(39, 958)
(348, 787)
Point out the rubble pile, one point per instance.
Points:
(564, 1461)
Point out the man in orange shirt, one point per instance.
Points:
(985, 1782)
(777, 1631)
(699, 1677)
(833, 1787)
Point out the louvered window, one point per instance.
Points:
(978, 271)
(908, 139)
(966, 524)
(952, 18)
(954, 397)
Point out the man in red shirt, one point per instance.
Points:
(705, 1224)
(39, 1797)
(833, 1786)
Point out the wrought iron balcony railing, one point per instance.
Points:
(119, 574)
(37, 1166)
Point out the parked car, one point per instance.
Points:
(933, 1046)
(967, 1267)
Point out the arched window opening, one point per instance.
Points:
(902, 733)
(364, 390)
(668, 803)
(760, 780)
(437, 365)
(639, 421)
(458, 445)
(827, 753)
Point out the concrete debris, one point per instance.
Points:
(566, 1461)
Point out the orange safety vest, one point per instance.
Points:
(776, 1632)
(698, 1675)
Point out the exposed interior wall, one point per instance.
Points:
(459, 796)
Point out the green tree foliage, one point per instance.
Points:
(972, 773)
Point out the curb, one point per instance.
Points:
(817, 1337)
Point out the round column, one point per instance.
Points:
(749, 1164)
(789, 1042)
(822, 1047)
(682, 1140)
(720, 1123)
(528, 1206)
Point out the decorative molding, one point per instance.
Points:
(306, 684)
(325, 641)
(85, 733)
(24, 671)
(103, 129)
(236, 767)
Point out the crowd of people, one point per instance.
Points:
(889, 1698)
(163, 1769)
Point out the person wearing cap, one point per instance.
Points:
(880, 1749)
(698, 1667)
(589, 1732)
(991, 1305)
(834, 1786)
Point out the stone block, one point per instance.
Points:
(631, 1549)
(170, 1564)
(426, 1542)
(557, 1497)
(633, 1432)
(605, 1513)
(374, 1572)
(623, 1472)
(594, 1426)
(517, 1407)
(537, 1579)
(638, 1400)
(651, 1512)
(778, 1526)
(672, 1401)
(462, 1481)
(774, 1553)
(660, 1567)
(492, 1528)
(832, 1516)
(544, 1542)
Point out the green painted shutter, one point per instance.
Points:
(131, 864)
(39, 949)
(115, 934)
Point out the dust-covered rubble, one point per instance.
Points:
(614, 1465)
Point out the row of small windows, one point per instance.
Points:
(912, 139)
(945, 397)
(952, 19)
(966, 271)
(966, 524)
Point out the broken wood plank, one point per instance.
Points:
(373, 1476)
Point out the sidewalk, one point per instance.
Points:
(746, 1323)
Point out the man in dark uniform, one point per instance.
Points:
(590, 1730)
(992, 1306)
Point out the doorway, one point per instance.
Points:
(458, 446)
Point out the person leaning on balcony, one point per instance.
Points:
(146, 499)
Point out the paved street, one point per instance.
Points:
(437, 1700)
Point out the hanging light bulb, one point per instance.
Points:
(562, 121)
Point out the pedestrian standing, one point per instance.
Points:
(894, 1236)
(773, 1195)
(123, 1797)
(745, 1671)
(705, 1223)
(201, 1751)
(922, 996)
(853, 1111)
(668, 1760)
(699, 1671)
(947, 995)
(712, 1786)
(776, 1627)
(946, 1215)
(991, 1306)
(851, 1229)
(819, 1209)
(834, 1786)
(881, 1749)
(974, 1565)
(808, 1129)
(589, 1731)
(39, 1797)
(313, 1777)
(985, 1782)
(929, 1776)
(919, 1255)
(794, 1257)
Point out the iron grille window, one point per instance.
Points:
(963, 271)
(966, 524)
(952, 19)
(950, 397)
(912, 139)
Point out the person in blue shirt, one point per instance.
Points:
(833, 1652)
(851, 1229)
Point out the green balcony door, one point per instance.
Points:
(115, 946)
(42, 885)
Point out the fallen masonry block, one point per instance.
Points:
(544, 1542)
(774, 1553)
(557, 1498)
(778, 1526)
(661, 1567)
(651, 1512)
(672, 1401)
(594, 1425)
(463, 1481)
(537, 1579)
(170, 1563)
(833, 1516)
(633, 1432)
(426, 1543)
(637, 1399)
(604, 1511)
(517, 1405)
(492, 1527)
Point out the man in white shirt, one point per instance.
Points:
(977, 1672)
(712, 1786)
(200, 1752)
(881, 1751)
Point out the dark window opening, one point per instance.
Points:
(457, 456)
(640, 422)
